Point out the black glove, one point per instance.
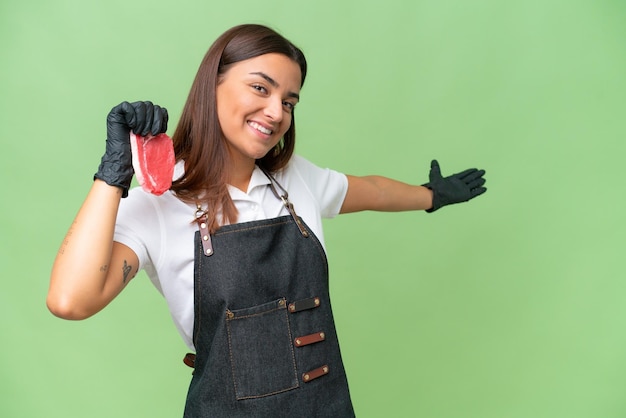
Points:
(456, 188)
(143, 118)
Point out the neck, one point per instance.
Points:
(240, 174)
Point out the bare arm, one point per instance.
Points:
(384, 194)
(90, 269)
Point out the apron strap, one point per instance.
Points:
(201, 218)
(205, 236)
(284, 197)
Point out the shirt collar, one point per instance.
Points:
(257, 179)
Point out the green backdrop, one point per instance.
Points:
(511, 306)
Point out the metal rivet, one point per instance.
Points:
(209, 251)
(317, 301)
(281, 302)
(306, 377)
(325, 369)
(298, 342)
(203, 225)
(292, 307)
(206, 237)
(322, 336)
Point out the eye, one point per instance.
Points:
(289, 106)
(259, 88)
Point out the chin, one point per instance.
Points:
(260, 154)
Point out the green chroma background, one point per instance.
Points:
(511, 306)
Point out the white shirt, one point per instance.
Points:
(160, 229)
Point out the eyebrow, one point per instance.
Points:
(274, 83)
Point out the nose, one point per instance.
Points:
(274, 109)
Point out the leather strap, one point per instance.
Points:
(285, 199)
(205, 236)
(304, 304)
(314, 374)
(309, 339)
(190, 360)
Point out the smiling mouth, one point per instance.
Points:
(260, 128)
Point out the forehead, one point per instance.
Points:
(285, 71)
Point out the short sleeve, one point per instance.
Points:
(328, 187)
(130, 226)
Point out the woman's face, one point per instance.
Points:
(255, 101)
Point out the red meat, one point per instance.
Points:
(153, 161)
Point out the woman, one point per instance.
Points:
(236, 245)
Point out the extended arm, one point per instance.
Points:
(388, 195)
(90, 268)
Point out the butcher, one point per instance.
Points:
(235, 244)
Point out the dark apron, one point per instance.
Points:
(264, 331)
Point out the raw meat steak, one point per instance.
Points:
(153, 161)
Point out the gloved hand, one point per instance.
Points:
(143, 118)
(456, 188)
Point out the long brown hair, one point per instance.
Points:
(198, 139)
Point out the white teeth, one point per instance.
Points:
(260, 128)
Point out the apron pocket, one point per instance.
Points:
(261, 350)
